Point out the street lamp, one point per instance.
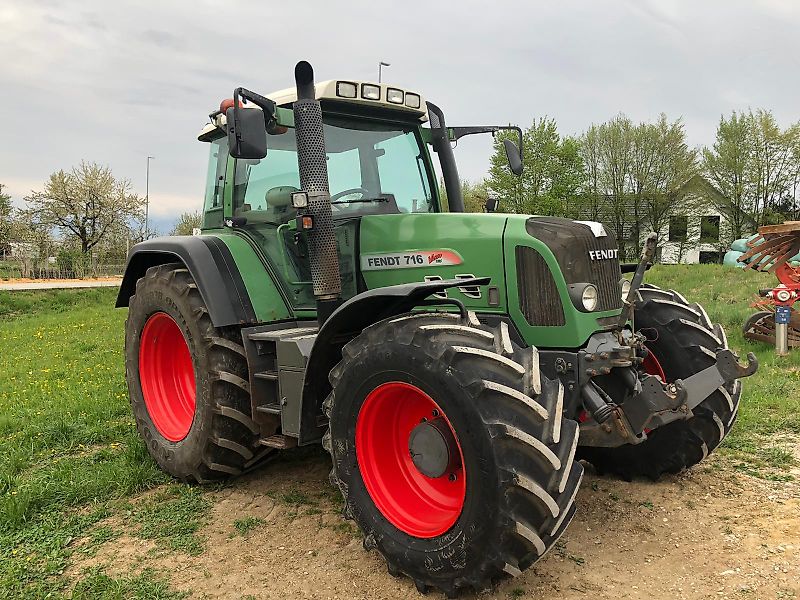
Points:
(147, 196)
(380, 66)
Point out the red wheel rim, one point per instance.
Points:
(167, 376)
(652, 366)
(418, 505)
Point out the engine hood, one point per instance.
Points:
(403, 248)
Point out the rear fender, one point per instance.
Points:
(212, 267)
(346, 322)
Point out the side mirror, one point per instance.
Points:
(491, 204)
(247, 134)
(513, 157)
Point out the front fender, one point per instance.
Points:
(346, 322)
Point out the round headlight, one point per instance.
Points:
(783, 295)
(589, 297)
(625, 287)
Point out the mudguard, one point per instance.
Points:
(211, 265)
(344, 324)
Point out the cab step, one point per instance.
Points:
(267, 375)
(280, 442)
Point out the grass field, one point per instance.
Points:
(70, 456)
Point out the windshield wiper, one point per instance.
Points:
(378, 199)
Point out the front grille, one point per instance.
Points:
(539, 300)
(571, 244)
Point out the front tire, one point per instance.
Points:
(507, 491)
(188, 381)
(682, 342)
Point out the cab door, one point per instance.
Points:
(213, 204)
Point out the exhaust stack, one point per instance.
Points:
(323, 252)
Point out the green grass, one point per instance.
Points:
(68, 445)
(172, 517)
(296, 497)
(70, 456)
(247, 524)
(147, 585)
(31, 303)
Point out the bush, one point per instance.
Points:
(73, 263)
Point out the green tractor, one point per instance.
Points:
(456, 366)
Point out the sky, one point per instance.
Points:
(114, 82)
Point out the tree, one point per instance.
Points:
(86, 204)
(474, 195)
(774, 166)
(553, 174)
(663, 165)
(615, 149)
(753, 167)
(635, 175)
(6, 218)
(726, 167)
(568, 179)
(594, 192)
(187, 222)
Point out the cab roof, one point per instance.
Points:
(351, 92)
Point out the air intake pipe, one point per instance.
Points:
(311, 159)
(442, 147)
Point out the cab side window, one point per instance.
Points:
(215, 183)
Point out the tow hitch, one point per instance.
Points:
(655, 403)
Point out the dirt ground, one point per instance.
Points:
(709, 533)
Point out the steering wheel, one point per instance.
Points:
(342, 194)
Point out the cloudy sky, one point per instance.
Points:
(115, 81)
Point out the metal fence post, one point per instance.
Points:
(782, 316)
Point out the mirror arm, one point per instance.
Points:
(454, 133)
(459, 132)
(264, 103)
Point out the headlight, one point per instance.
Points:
(412, 100)
(783, 295)
(589, 297)
(299, 199)
(346, 89)
(625, 287)
(394, 96)
(370, 92)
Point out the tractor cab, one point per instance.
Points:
(376, 155)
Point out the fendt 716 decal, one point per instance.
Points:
(409, 260)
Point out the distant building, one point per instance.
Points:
(697, 231)
(693, 239)
(694, 230)
(21, 249)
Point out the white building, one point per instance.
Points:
(697, 232)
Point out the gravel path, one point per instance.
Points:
(58, 284)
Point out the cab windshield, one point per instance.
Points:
(373, 168)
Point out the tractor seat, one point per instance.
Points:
(279, 203)
(277, 207)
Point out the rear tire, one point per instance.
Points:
(518, 475)
(684, 342)
(218, 438)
